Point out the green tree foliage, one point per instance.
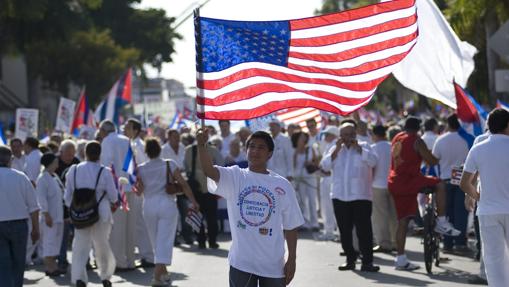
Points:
(85, 42)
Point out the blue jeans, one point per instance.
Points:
(13, 244)
(243, 279)
(458, 215)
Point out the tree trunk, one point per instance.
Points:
(490, 27)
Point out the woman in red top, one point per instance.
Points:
(406, 181)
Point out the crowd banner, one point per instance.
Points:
(27, 121)
(65, 115)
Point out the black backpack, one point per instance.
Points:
(84, 210)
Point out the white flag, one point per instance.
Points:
(27, 121)
(438, 58)
(65, 115)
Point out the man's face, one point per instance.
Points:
(17, 148)
(68, 153)
(311, 126)
(173, 138)
(225, 127)
(348, 135)
(258, 152)
(274, 128)
(128, 130)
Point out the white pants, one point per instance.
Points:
(495, 248)
(327, 211)
(142, 240)
(123, 234)
(306, 191)
(96, 235)
(384, 219)
(161, 216)
(51, 238)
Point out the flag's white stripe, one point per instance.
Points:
(110, 108)
(266, 98)
(380, 55)
(257, 65)
(353, 25)
(300, 119)
(212, 94)
(366, 41)
(295, 113)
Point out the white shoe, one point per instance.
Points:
(446, 228)
(408, 266)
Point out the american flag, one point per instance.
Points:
(247, 69)
(299, 116)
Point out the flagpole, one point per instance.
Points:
(199, 62)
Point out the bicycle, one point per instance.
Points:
(431, 240)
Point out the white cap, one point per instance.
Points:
(333, 130)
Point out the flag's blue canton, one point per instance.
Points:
(228, 43)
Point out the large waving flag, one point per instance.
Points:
(247, 69)
(118, 96)
(469, 111)
(438, 57)
(82, 114)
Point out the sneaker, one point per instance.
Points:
(106, 283)
(80, 283)
(408, 266)
(446, 228)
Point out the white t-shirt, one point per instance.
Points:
(260, 207)
(451, 149)
(491, 159)
(383, 163)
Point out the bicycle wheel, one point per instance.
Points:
(429, 247)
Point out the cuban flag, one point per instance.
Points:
(471, 114)
(502, 105)
(82, 114)
(3, 140)
(130, 166)
(118, 96)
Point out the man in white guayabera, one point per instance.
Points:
(263, 212)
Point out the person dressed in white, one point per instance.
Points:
(173, 148)
(133, 131)
(159, 208)
(429, 137)
(263, 212)
(18, 203)
(385, 222)
(123, 234)
(226, 137)
(490, 160)
(237, 154)
(351, 163)
(18, 158)
(49, 196)
(89, 174)
(451, 149)
(33, 159)
(330, 135)
(281, 161)
(305, 183)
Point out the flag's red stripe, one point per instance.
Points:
(356, 52)
(465, 108)
(350, 15)
(361, 69)
(269, 108)
(354, 34)
(308, 115)
(258, 89)
(248, 73)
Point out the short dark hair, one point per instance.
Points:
(498, 119)
(32, 142)
(348, 120)
(223, 121)
(171, 131)
(311, 120)
(136, 124)
(452, 122)
(152, 147)
(412, 124)
(296, 136)
(93, 151)
(5, 155)
(265, 136)
(430, 124)
(13, 140)
(380, 131)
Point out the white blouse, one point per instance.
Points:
(153, 176)
(49, 196)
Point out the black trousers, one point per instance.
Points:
(243, 279)
(355, 213)
(208, 207)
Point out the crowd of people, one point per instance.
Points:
(347, 182)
